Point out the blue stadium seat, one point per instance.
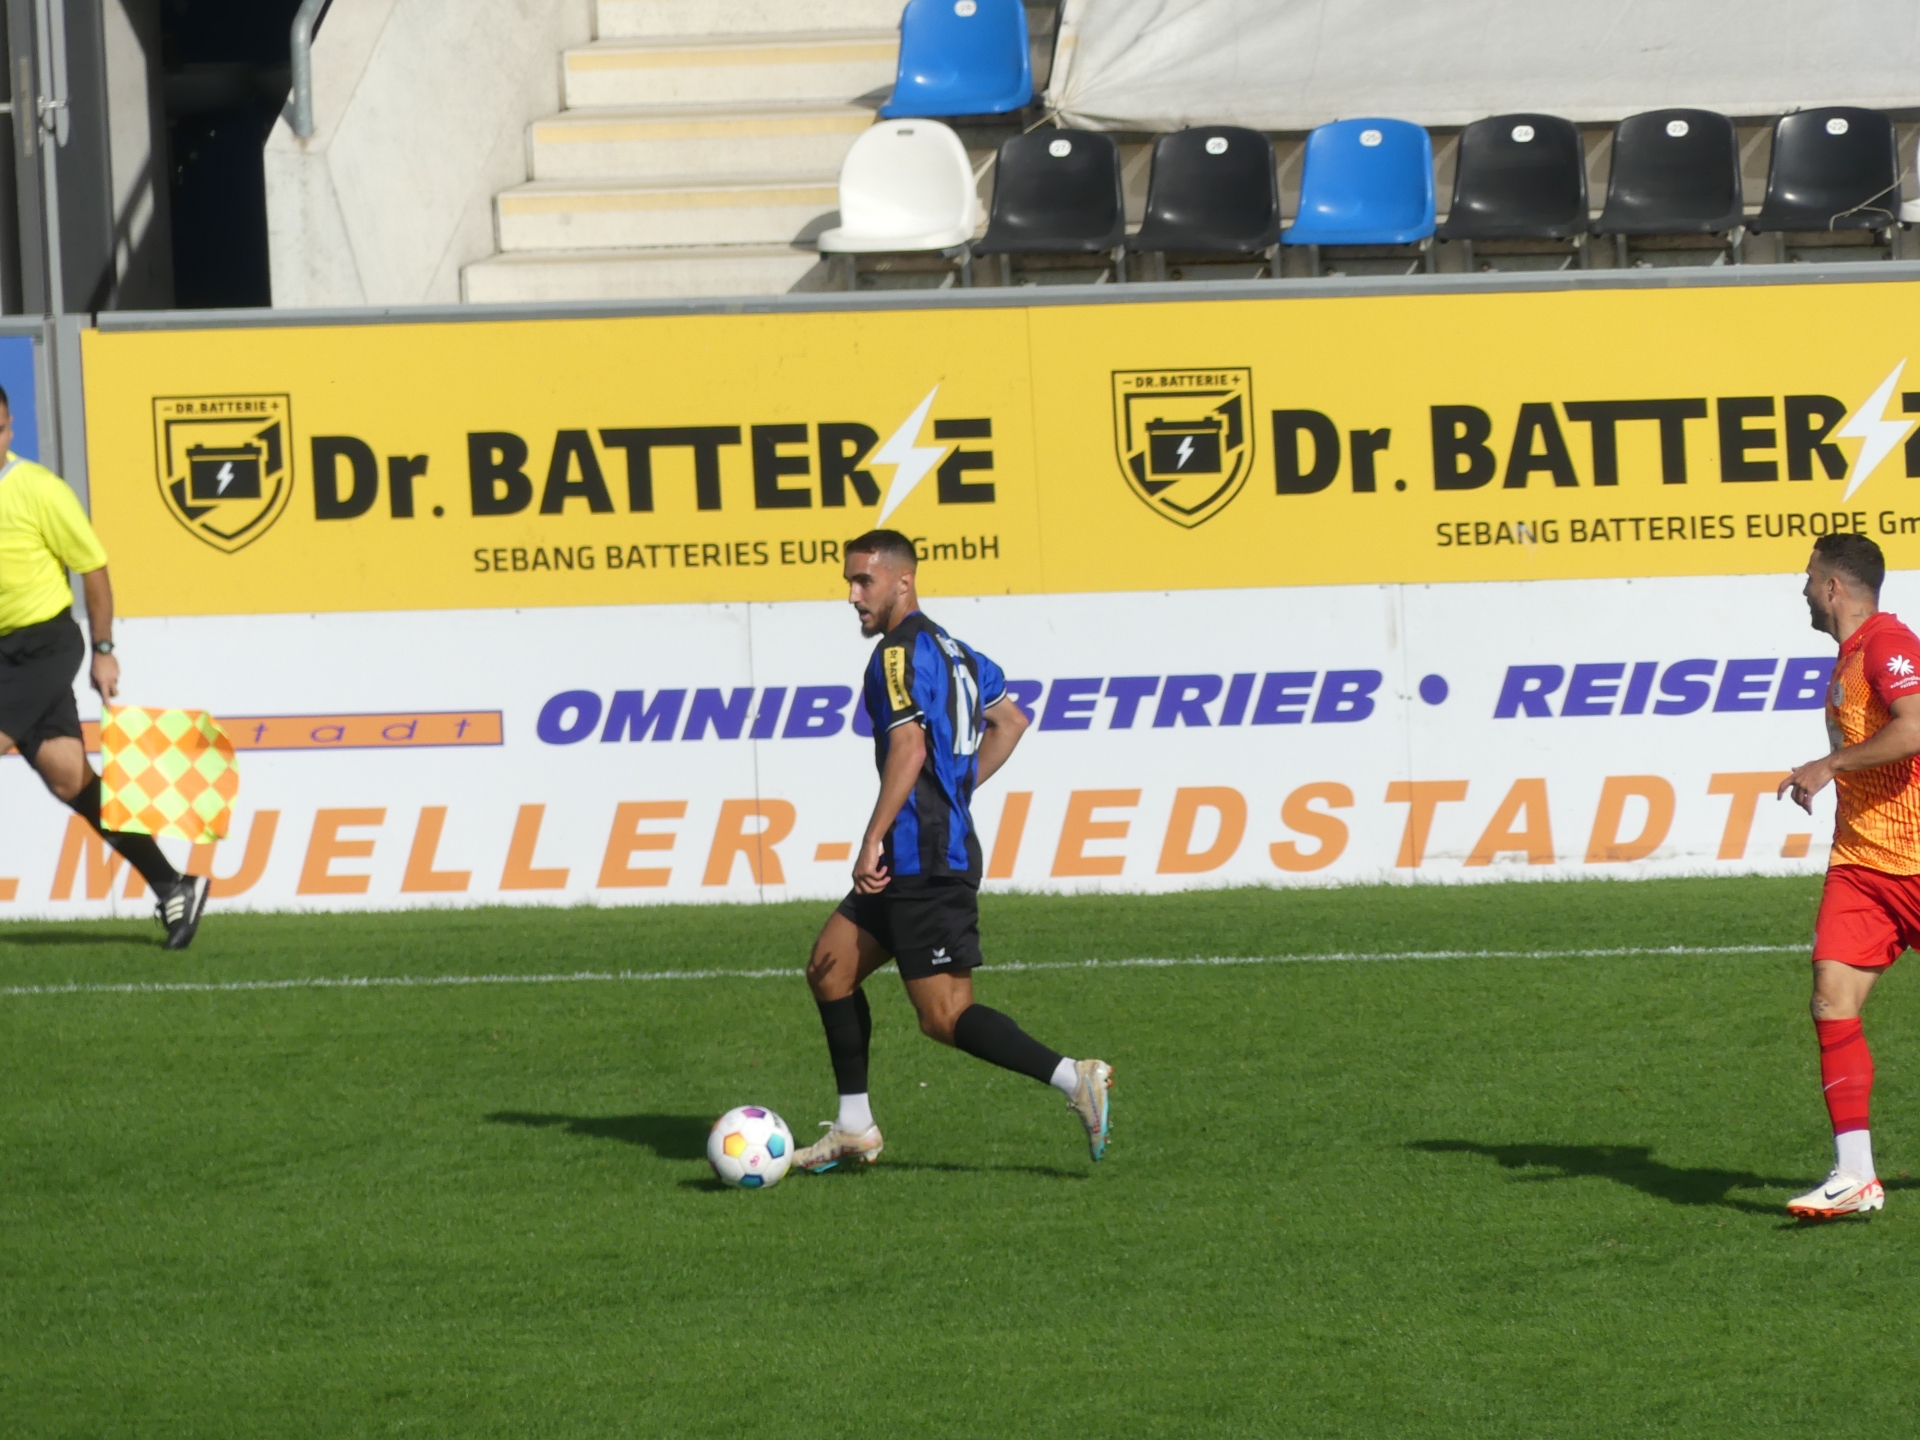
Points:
(1366, 182)
(961, 57)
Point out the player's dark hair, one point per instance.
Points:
(889, 543)
(1855, 556)
(5, 403)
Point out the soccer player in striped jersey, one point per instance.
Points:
(943, 721)
(1870, 909)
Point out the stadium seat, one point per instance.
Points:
(906, 186)
(961, 57)
(1519, 177)
(1212, 191)
(1365, 182)
(1057, 192)
(1832, 169)
(1675, 172)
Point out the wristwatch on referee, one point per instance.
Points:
(103, 647)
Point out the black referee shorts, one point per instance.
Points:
(38, 664)
(931, 927)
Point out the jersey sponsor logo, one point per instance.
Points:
(225, 464)
(1184, 439)
(1899, 665)
(893, 664)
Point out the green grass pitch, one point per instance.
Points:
(1438, 1197)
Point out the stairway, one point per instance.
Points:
(698, 153)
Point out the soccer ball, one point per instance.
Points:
(750, 1148)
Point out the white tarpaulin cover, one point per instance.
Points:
(1295, 64)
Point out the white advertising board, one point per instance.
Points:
(1279, 736)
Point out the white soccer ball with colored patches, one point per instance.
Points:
(750, 1148)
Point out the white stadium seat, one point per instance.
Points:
(905, 186)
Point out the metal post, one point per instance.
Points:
(51, 116)
(304, 19)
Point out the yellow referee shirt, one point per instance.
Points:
(43, 534)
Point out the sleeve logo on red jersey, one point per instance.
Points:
(1900, 665)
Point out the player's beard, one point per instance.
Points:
(1821, 621)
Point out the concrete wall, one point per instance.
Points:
(420, 110)
(136, 144)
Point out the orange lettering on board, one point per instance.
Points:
(627, 838)
(1006, 840)
(324, 846)
(1745, 787)
(253, 861)
(421, 877)
(1535, 839)
(731, 838)
(1420, 797)
(1298, 815)
(1605, 846)
(519, 873)
(83, 842)
(1177, 855)
(1079, 827)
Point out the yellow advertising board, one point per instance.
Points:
(1059, 448)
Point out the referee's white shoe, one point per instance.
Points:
(1839, 1194)
(181, 908)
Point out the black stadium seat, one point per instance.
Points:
(1518, 177)
(1832, 169)
(1675, 172)
(1213, 191)
(1057, 192)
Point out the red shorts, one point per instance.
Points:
(1867, 918)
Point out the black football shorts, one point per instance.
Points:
(37, 665)
(930, 927)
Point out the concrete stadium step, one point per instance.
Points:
(637, 274)
(574, 215)
(709, 70)
(633, 19)
(671, 142)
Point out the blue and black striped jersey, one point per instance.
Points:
(921, 674)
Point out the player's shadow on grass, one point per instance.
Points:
(1631, 1165)
(63, 939)
(671, 1137)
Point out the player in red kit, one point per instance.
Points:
(1870, 909)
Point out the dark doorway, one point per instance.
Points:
(226, 77)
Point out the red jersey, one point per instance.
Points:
(1878, 821)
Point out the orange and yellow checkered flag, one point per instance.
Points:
(166, 772)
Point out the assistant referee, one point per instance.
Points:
(43, 534)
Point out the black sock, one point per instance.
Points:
(848, 1023)
(141, 851)
(990, 1036)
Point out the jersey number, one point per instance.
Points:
(966, 711)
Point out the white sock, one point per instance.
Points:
(1067, 1080)
(855, 1114)
(1853, 1152)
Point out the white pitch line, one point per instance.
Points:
(371, 982)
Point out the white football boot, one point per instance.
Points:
(1092, 1102)
(837, 1145)
(1839, 1194)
